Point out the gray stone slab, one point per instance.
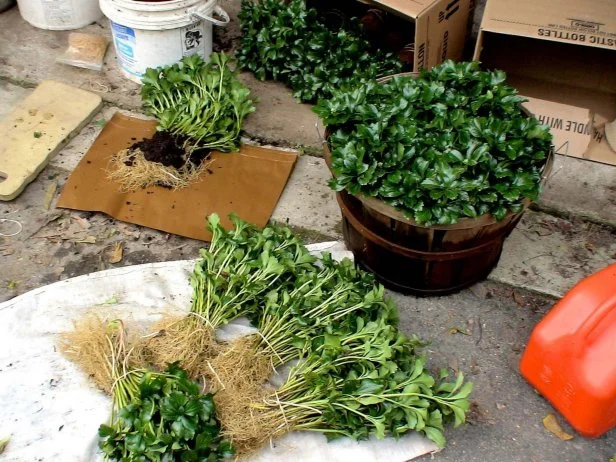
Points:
(550, 255)
(308, 202)
(279, 119)
(483, 332)
(10, 95)
(581, 188)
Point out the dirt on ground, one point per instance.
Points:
(483, 331)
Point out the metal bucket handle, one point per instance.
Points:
(199, 13)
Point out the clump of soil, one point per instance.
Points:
(168, 149)
(163, 160)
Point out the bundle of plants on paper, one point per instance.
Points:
(200, 107)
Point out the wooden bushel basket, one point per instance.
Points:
(424, 260)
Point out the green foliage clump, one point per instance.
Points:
(357, 375)
(285, 41)
(203, 102)
(166, 419)
(450, 144)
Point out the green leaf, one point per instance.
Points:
(423, 216)
(469, 210)
(435, 435)
(499, 213)
(184, 428)
(226, 450)
(105, 431)
(369, 400)
(367, 387)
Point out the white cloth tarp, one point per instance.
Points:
(51, 411)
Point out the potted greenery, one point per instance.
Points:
(435, 170)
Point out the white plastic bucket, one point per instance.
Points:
(153, 34)
(60, 14)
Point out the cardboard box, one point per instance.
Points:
(441, 27)
(562, 57)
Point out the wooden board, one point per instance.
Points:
(37, 128)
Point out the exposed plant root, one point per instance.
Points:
(238, 378)
(99, 348)
(130, 169)
(238, 365)
(249, 428)
(186, 339)
(235, 372)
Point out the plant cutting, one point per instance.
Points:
(287, 41)
(200, 106)
(229, 281)
(166, 418)
(451, 143)
(358, 377)
(156, 416)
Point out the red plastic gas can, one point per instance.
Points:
(571, 355)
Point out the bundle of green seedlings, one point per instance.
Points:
(200, 106)
(156, 416)
(357, 375)
(366, 381)
(229, 281)
(286, 41)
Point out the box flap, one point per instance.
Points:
(590, 22)
(577, 131)
(410, 8)
(559, 63)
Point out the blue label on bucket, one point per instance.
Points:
(124, 49)
(123, 32)
(125, 41)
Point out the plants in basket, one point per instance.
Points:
(453, 142)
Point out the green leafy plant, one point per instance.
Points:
(203, 102)
(357, 375)
(367, 380)
(450, 144)
(285, 41)
(165, 418)
(240, 266)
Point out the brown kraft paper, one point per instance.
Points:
(247, 183)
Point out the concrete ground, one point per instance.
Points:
(569, 234)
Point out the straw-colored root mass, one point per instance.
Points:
(130, 169)
(98, 348)
(186, 339)
(239, 379)
(237, 373)
(238, 365)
